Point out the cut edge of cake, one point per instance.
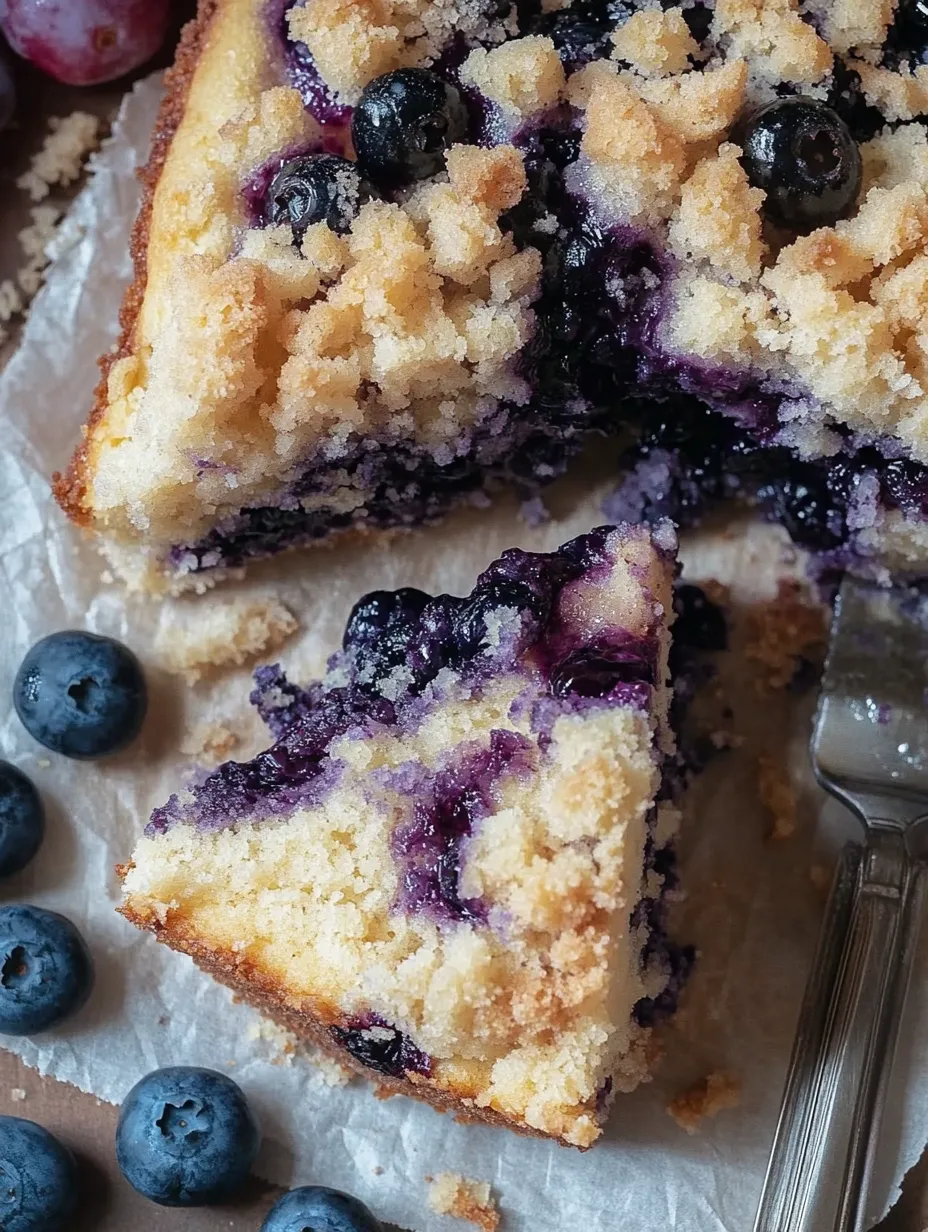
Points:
(524, 994)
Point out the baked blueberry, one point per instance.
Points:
(382, 1048)
(590, 673)
(403, 124)
(908, 35)
(316, 188)
(476, 622)
(38, 1179)
(46, 972)
(700, 623)
(80, 694)
(802, 154)
(186, 1136)
(380, 610)
(22, 819)
(320, 1209)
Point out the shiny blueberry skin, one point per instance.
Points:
(80, 694)
(46, 972)
(186, 1136)
(802, 154)
(908, 35)
(314, 1208)
(316, 188)
(38, 1179)
(22, 819)
(588, 673)
(381, 609)
(404, 123)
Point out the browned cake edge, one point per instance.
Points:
(312, 1022)
(70, 488)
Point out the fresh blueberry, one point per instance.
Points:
(314, 1208)
(316, 188)
(22, 819)
(80, 694)
(590, 673)
(700, 623)
(186, 1136)
(38, 1179)
(46, 972)
(403, 124)
(802, 154)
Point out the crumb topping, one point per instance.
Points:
(522, 77)
(354, 41)
(718, 219)
(772, 37)
(463, 1198)
(655, 42)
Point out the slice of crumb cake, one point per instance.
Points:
(450, 867)
(395, 252)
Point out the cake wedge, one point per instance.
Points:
(450, 867)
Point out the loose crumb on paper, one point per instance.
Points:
(452, 1194)
(285, 1046)
(210, 742)
(17, 1095)
(777, 795)
(194, 640)
(781, 633)
(63, 154)
(706, 1098)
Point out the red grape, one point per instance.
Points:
(85, 42)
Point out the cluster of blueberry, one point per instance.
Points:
(186, 1136)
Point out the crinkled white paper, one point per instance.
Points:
(751, 904)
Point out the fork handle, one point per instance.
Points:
(823, 1151)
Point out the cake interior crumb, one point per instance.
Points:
(463, 1198)
(706, 1098)
(196, 639)
(211, 741)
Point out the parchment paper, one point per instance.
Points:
(751, 904)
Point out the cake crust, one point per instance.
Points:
(70, 486)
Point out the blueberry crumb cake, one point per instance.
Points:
(394, 252)
(451, 867)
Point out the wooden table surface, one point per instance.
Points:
(81, 1121)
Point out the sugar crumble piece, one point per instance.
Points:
(522, 76)
(63, 154)
(706, 1098)
(452, 1194)
(210, 741)
(777, 795)
(195, 640)
(655, 42)
(17, 1095)
(782, 632)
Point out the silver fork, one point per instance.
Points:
(870, 750)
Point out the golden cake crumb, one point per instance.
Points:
(522, 76)
(210, 742)
(286, 1047)
(655, 42)
(781, 631)
(452, 1194)
(718, 219)
(778, 796)
(706, 1098)
(17, 1095)
(63, 154)
(195, 640)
